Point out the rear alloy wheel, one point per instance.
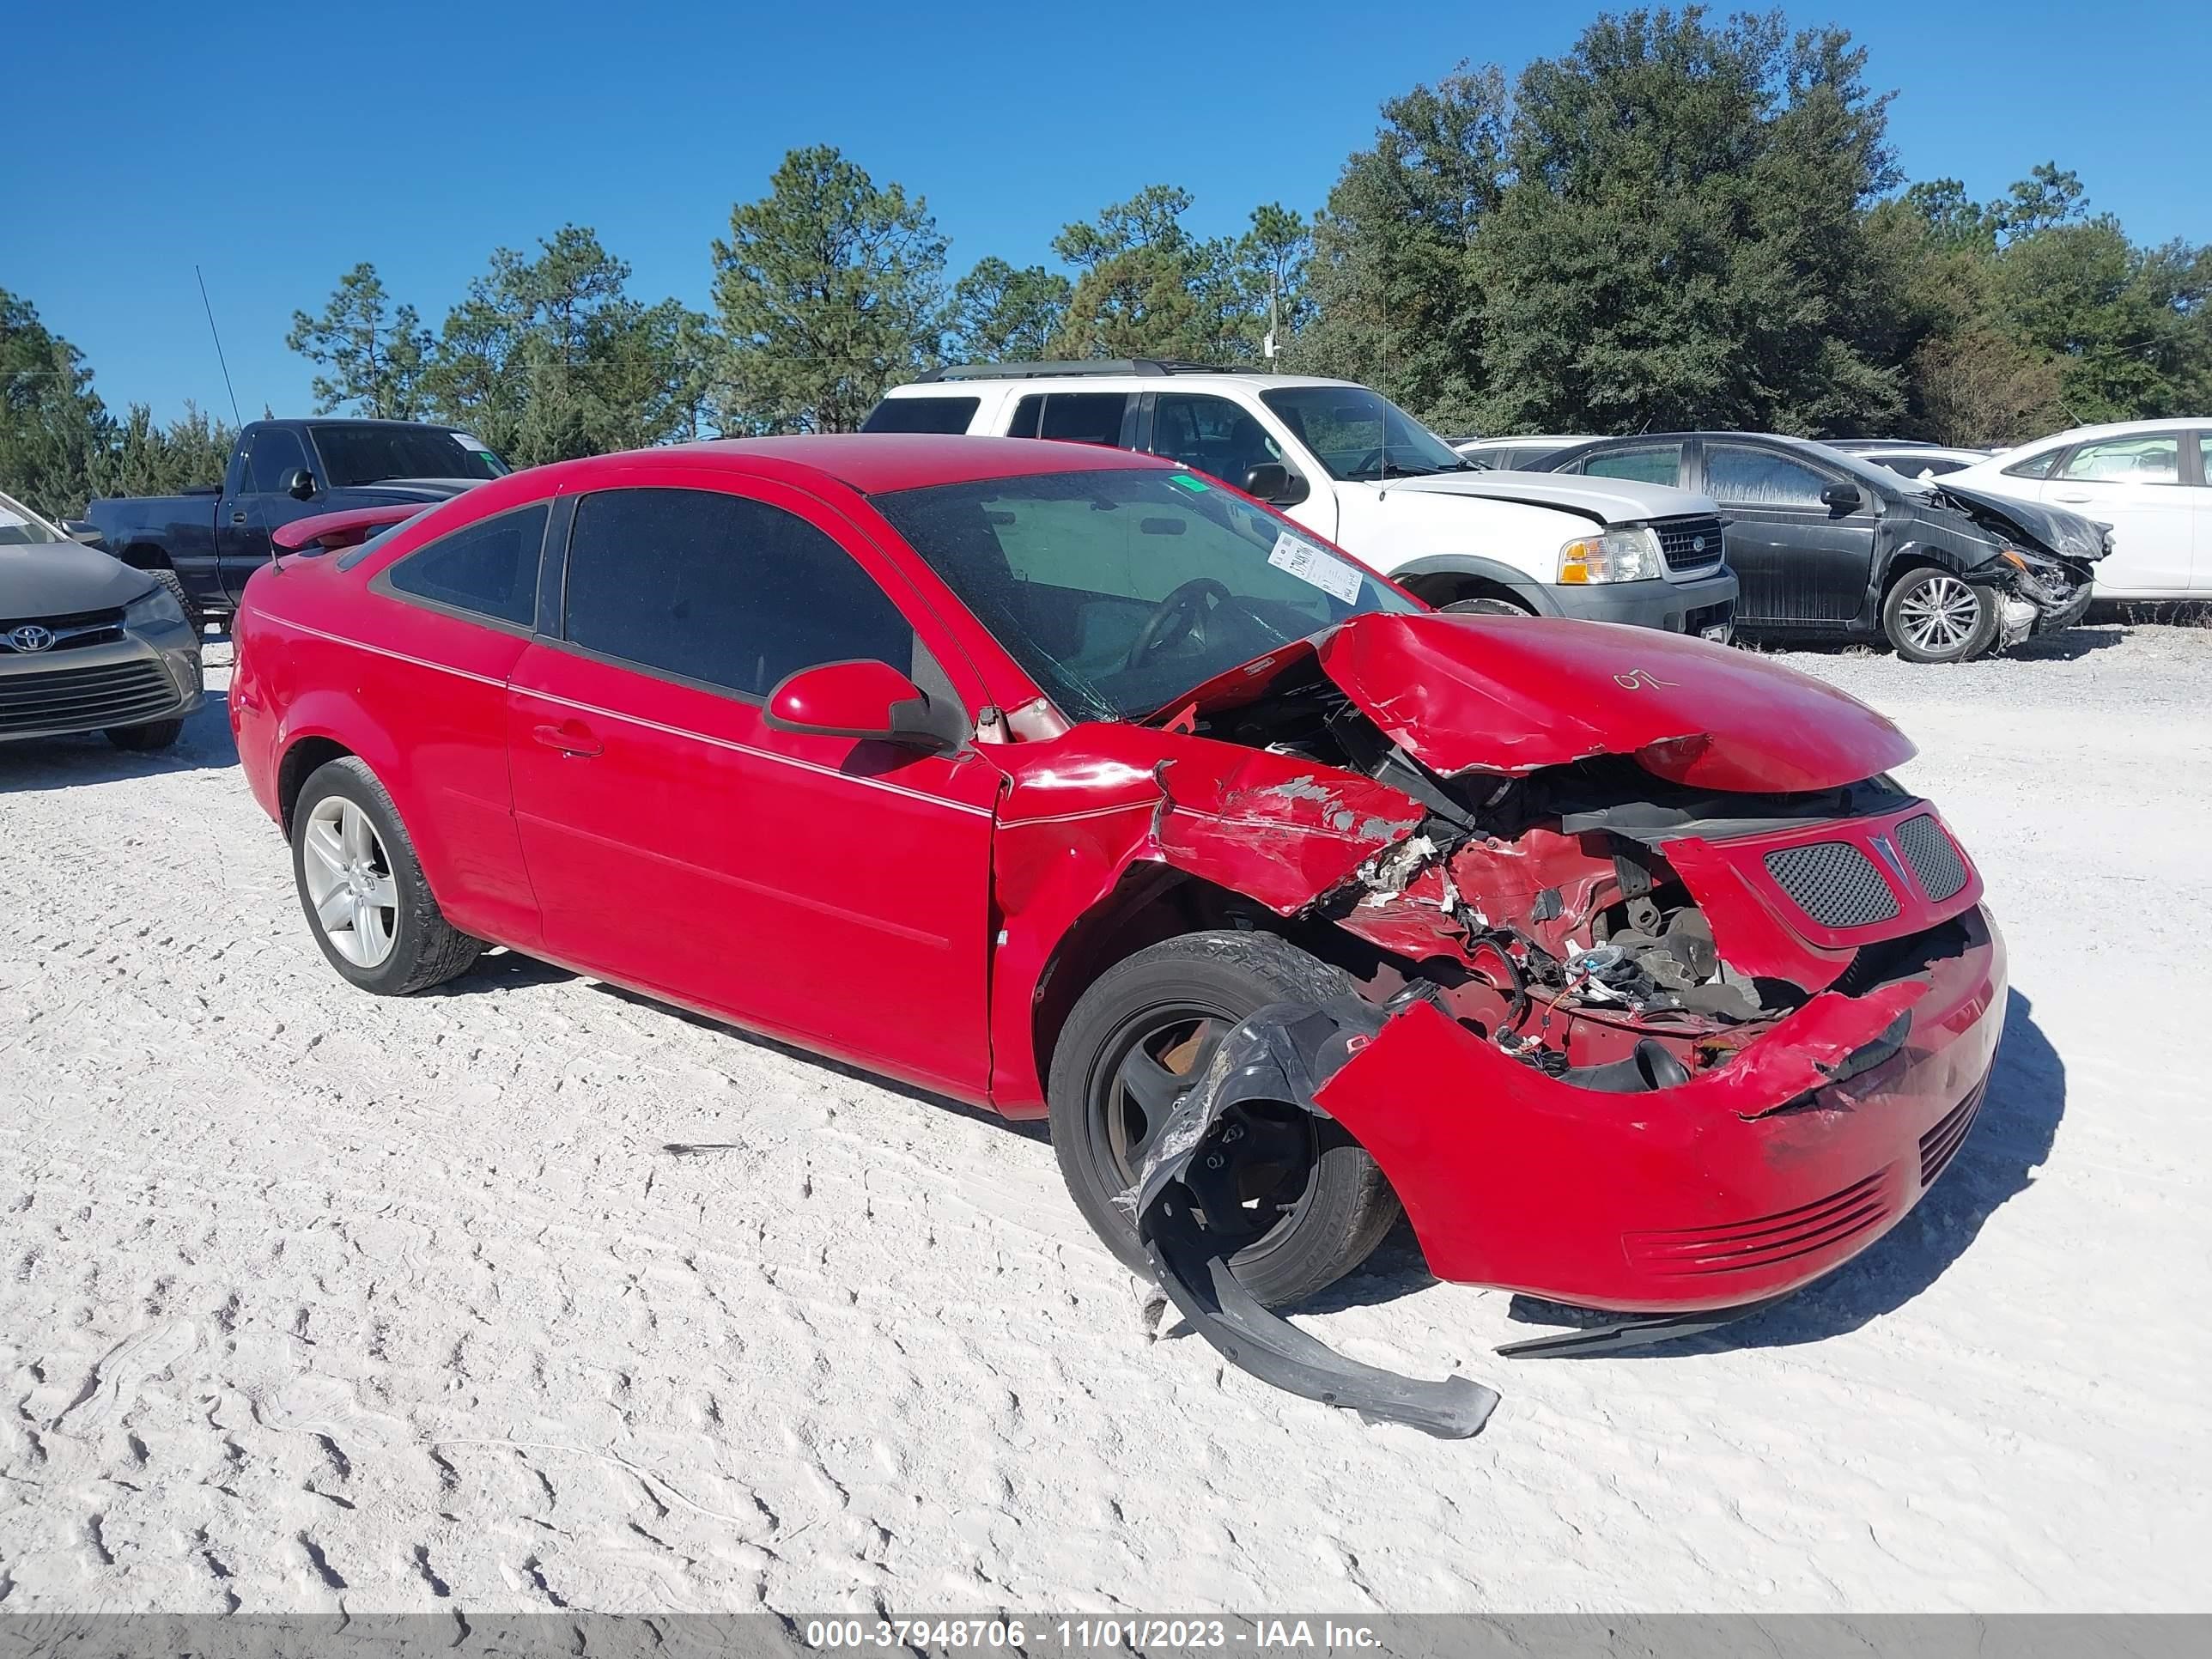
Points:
(1931, 616)
(363, 889)
(1314, 1203)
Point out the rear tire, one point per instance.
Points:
(1488, 607)
(363, 888)
(145, 739)
(1930, 616)
(1147, 1005)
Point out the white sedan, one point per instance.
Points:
(2151, 481)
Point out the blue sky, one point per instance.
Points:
(275, 145)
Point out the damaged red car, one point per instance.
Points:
(1071, 782)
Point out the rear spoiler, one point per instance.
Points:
(331, 531)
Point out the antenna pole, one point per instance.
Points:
(235, 416)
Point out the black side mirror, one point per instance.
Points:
(1842, 497)
(1275, 484)
(301, 486)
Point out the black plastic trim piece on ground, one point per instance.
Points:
(1637, 1331)
(1195, 1275)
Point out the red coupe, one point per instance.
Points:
(1074, 783)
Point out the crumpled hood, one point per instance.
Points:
(59, 579)
(2048, 529)
(1609, 500)
(1513, 695)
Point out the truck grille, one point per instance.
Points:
(1833, 883)
(79, 627)
(1680, 539)
(84, 699)
(1765, 1241)
(1933, 858)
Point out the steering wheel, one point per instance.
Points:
(1372, 457)
(1174, 617)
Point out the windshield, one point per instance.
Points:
(370, 454)
(21, 527)
(1117, 590)
(1360, 434)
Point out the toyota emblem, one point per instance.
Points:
(31, 637)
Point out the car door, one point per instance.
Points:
(2133, 481)
(1801, 562)
(831, 890)
(258, 501)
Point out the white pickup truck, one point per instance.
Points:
(1351, 466)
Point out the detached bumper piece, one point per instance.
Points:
(1188, 1217)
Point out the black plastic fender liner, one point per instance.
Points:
(1279, 1054)
(1632, 1331)
(1195, 1273)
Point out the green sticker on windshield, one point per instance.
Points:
(1188, 481)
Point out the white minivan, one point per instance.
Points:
(1350, 466)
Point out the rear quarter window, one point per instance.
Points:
(939, 415)
(488, 569)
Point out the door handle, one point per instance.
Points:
(2075, 495)
(571, 738)
(238, 518)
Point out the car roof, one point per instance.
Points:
(1257, 380)
(879, 463)
(2118, 429)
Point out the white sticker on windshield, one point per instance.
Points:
(1318, 569)
(467, 442)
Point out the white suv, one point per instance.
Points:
(1351, 466)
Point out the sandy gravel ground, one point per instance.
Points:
(530, 1294)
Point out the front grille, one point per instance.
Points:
(1933, 858)
(1833, 883)
(82, 699)
(1766, 1240)
(1939, 1144)
(1679, 539)
(79, 627)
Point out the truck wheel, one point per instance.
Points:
(1131, 1046)
(1488, 607)
(193, 614)
(1930, 616)
(143, 740)
(362, 887)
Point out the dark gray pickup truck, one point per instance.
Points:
(205, 543)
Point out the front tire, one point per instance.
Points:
(363, 889)
(145, 739)
(1141, 1027)
(1930, 616)
(1488, 607)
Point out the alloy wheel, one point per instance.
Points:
(1941, 614)
(350, 883)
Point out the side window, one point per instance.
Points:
(1659, 464)
(1212, 434)
(732, 593)
(945, 415)
(271, 459)
(2035, 466)
(2152, 458)
(488, 569)
(1759, 477)
(1075, 417)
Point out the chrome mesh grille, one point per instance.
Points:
(1833, 883)
(85, 699)
(1933, 858)
(1677, 538)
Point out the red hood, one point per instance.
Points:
(1513, 695)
